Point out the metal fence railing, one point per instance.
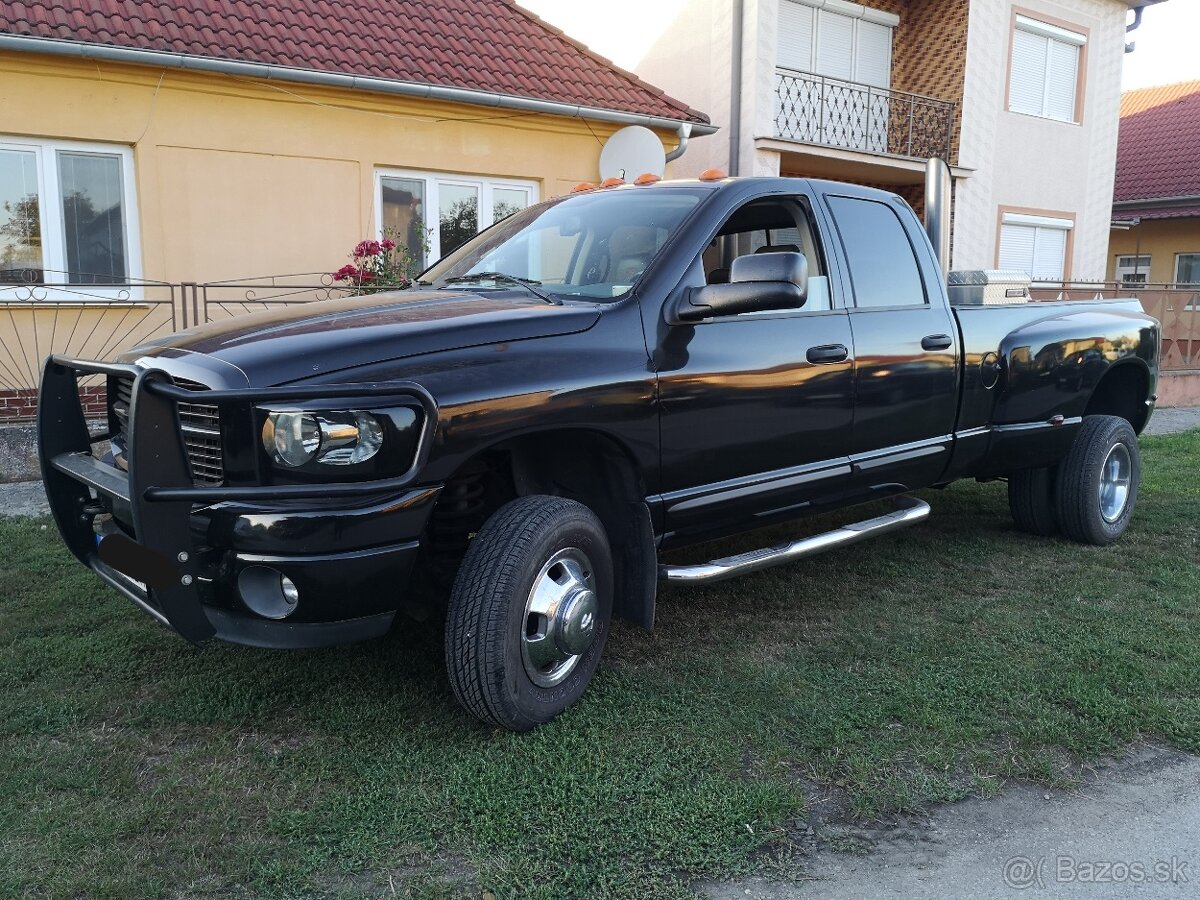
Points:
(44, 312)
(1176, 307)
(836, 113)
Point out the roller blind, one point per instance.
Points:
(873, 55)
(795, 50)
(1062, 80)
(1039, 251)
(835, 45)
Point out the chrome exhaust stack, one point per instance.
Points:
(937, 210)
(909, 511)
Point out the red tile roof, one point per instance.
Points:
(483, 45)
(1158, 152)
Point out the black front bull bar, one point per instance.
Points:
(158, 569)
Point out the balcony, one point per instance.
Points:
(830, 112)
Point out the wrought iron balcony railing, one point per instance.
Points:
(835, 113)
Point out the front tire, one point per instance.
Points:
(1098, 481)
(529, 612)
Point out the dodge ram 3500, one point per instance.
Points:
(591, 381)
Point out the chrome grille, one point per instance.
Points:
(200, 424)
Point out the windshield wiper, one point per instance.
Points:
(502, 277)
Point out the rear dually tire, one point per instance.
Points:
(1097, 485)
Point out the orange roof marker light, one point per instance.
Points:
(583, 186)
(646, 178)
(612, 182)
(713, 175)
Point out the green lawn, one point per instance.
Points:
(928, 665)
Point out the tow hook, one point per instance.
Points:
(90, 509)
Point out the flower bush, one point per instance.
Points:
(378, 266)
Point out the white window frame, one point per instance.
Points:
(1132, 264)
(1039, 224)
(1049, 33)
(54, 252)
(1178, 256)
(485, 185)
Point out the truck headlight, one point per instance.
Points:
(332, 438)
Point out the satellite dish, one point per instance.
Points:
(631, 152)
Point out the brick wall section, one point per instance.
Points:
(21, 405)
(929, 53)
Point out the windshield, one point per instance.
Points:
(594, 245)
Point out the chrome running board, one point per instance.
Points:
(909, 511)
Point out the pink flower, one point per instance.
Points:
(388, 244)
(366, 248)
(345, 273)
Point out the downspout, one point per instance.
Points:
(1130, 46)
(735, 89)
(684, 132)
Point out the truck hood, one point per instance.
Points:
(280, 345)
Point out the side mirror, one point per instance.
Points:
(757, 283)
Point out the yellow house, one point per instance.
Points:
(1156, 205)
(145, 147)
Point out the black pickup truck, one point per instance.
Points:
(591, 381)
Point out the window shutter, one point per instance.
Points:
(1061, 79)
(1027, 85)
(795, 36)
(1049, 258)
(873, 58)
(835, 45)
(1017, 243)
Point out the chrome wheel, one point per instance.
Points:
(1116, 474)
(560, 617)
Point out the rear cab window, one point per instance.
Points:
(882, 260)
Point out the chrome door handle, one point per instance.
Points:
(936, 342)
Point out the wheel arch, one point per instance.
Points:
(599, 471)
(1122, 391)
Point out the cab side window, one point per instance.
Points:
(883, 263)
(770, 225)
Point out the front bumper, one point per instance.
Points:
(177, 550)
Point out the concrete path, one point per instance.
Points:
(25, 498)
(1173, 421)
(1132, 830)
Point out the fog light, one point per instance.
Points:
(268, 592)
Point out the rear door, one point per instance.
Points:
(905, 346)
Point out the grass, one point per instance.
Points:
(927, 666)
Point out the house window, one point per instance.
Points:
(463, 206)
(67, 214)
(1036, 245)
(1133, 269)
(1046, 69)
(848, 47)
(1187, 268)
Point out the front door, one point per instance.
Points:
(755, 408)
